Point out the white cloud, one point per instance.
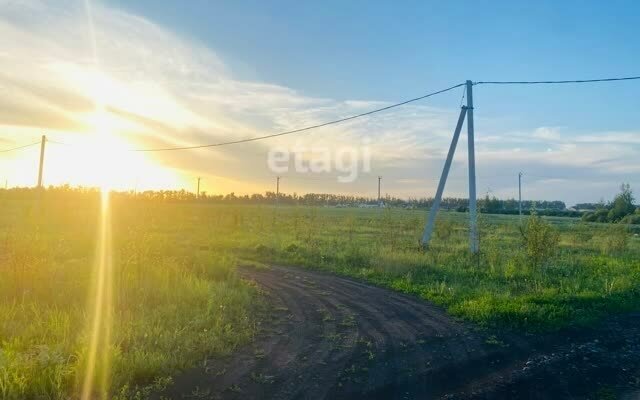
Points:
(162, 90)
(549, 134)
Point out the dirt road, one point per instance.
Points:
(327, 337)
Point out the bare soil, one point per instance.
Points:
(330, 337)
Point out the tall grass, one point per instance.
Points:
(566, 272)
(177, 298)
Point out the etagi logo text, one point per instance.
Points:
(347, 161)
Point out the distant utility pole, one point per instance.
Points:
(520, 194)
(44, 140)
(379, 179)
(277, 190)
(198, 195)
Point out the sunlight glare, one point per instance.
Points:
(99, 350)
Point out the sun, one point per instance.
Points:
(112, 162)
(102, 157)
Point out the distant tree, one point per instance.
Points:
(487, 204)
(492, 205)
(620, 210)
(622, 204)
(586, 206)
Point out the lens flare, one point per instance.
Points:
(98, 354)
(98, 362)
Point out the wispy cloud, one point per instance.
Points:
(161, 90)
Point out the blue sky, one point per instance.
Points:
(180, 73)
(395, 50)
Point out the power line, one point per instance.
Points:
(307, 128)
(628, 78)
(19, 147)
(337, 121)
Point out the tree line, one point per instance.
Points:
(488, 204)
(621, 210)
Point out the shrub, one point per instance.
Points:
(600, 215)
(263, 250)
(622, 205)
(292, 248)
(615, 239)
(444, 229)
(540, 240)
(631, 219)
(354, 257)
(581, 233)
(617, 211)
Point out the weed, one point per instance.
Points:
(493, 340)
(348, 322)
(540, 240)
(370, 355)
(326, 315)
(615, 239)
(235, 389)
(262, 379)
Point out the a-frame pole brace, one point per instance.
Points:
(428, 230)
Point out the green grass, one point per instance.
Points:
(588, 278)
(177, 298)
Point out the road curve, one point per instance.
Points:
(329, 337)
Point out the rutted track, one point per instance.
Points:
(328, 337)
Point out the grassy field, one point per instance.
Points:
(594, 271)
(177, 298)
(174, 302)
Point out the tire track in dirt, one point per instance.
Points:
(329, 337)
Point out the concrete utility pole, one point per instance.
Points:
(277, 190)
(473, 208)
(520, 194)
(473, 217)
(379, 202)
(428, 230)
(44, 140)
(198, 193)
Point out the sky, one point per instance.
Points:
(99, 78)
